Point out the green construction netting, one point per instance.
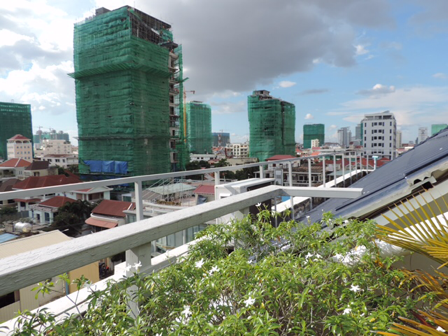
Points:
(122, 83)
(272, 127)
(312, 132)
(199, 127)
(14, 119)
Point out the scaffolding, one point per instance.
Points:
(311, 132)
(199, 127)
(15, 119)
(272, 126)
(122, 79)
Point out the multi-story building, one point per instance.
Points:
(436, 128)
(358, 133)
(20, 147)
(422, 134)
(311, 132)
(40, 136)
(129, 94)
(344, 136)
(315, 143)
(399, 139)
(220, 139)
(380, 132)
(48, 147)
(199, 127)
(238, 150)
(272, 125)
(14, 119)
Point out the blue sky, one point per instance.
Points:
(335, 60)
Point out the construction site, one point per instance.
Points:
(272, 126)
(313, 132)
(129, 95)
(15, 119)
(199, 127)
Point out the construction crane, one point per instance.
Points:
(185, 114)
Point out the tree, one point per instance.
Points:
(72, 216)
(8, 210)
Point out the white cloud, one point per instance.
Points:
(333, 127)
(229, 107)
(378, 89)
(361, 50)
(411, 106)
(286, 84)
(9, 38)
(440, 75)
(309, 116)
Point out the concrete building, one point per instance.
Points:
(344, 136)
(14, 119)
(436, 128)
(315, 143)
(399, 139)
(128, 81)
(49, 146)
(272, 125)
(358, 133)
(14, 168)
(20, 147)
(380, 132)
(311, 132)
(41, 136)
(422, 134)
(61, 160)
(238, 150)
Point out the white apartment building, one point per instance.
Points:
(314, 143)
(379, 134)
(399, 139)
(238, 150)
(50, 147)
(20, 147)
(422, 134)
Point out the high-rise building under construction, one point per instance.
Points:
(14, 119)
(129, 95)
(272, 126)
(199, 127)
(312, 132)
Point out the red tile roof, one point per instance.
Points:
(205, 190)
(38, 165)
(46, 181)
(113, 208)
(19, 137)
(28, 200)
(280, 157)
(57, 201)
(15, 163)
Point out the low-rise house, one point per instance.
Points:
(39, 168)
(44, 212)
(109, 214)
(204, 193)
(61, 160)
(13, 168)
(90, 195)
(7, 185)
(24, 299)
(39, 182)
(20, 147)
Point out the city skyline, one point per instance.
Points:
(335, 62)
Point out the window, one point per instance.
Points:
(6, 300)
(391, 123)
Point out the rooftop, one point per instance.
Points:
(15, 163)
(113, 208)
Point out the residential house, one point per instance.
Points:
(39, 168)
(44, 212)
(13, 168)
(109, 214)
(61, 160)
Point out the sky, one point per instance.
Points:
(335, 60)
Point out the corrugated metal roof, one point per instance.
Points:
(4, 237)
(388, 179)
(171, 188)
(101, 223)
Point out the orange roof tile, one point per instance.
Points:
(15, 163)
(113, 208)
(57, 201)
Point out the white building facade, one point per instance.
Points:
(49, 147)
(422, 134)
(344, 136)
(238, 150)
(20, 147)
(380, 134)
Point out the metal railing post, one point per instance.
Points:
(334, 171)
(290, 184)
(323, 173)
(261, 172)
(343, 169)
(309, 182)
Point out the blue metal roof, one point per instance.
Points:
(388, 179)
(4, 237)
